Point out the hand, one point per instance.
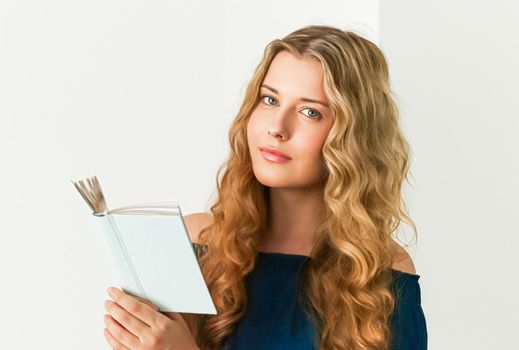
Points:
(135, 323)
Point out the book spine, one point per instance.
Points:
(121, 265)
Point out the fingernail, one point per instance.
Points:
(113, 291)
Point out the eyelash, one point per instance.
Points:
(319, 116)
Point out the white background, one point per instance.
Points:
(142, 93)
(454, 68)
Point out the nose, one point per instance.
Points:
(279, 127)
(277, 134)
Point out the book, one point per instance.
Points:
(149, 251)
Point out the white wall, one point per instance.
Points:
(454, 67)
(139, 93)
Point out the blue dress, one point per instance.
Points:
(274, 319)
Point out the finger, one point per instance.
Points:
(146, 301)
(135, 307)
(121, 334)
(112, 341)
(132, 324)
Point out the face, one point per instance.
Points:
(289, 119)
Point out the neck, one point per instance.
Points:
(293, 215)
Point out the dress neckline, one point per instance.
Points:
(284, 254)
(304, 257)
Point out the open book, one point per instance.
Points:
(149, 252)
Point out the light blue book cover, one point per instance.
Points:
(149, 253)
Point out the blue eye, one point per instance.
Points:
(262, 97)
(317, 115)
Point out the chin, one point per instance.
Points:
(274, 177)
(285, 175)
(281, 178)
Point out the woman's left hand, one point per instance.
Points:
(134, 323)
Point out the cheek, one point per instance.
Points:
(253, 130)
(309, 152)
(309, 148)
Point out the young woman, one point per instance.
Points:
(298, 249)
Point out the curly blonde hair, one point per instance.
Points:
(347, 282)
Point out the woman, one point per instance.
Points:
(297, 249)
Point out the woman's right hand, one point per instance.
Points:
(144, 327)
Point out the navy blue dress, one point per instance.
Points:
(274, 319)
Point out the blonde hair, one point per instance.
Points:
(346, 285)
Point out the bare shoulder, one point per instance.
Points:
(195, 222)
(402, 260)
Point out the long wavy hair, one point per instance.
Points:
(347, 282)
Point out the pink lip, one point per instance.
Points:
(273, 155)
(273, 150)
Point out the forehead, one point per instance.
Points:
(296, 77)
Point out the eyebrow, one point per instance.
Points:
(306, 99)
